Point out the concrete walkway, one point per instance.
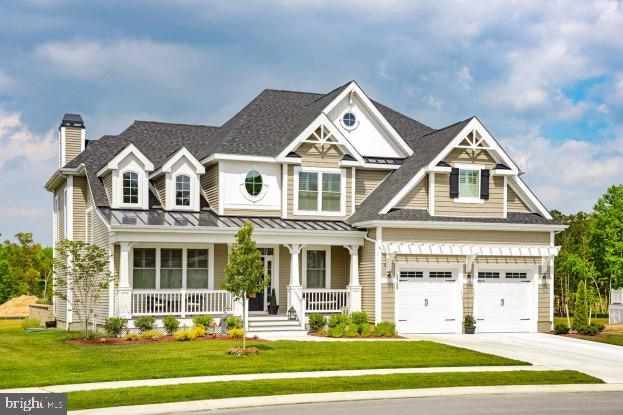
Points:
(265, 401)
(603, 361)
(261, 376)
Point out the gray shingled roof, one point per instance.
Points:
(422, 215)
(425, 148)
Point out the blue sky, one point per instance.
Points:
(545, 77)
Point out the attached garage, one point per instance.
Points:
(505, 300)
(427, 300)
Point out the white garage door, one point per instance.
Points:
(428, 301)
(504, 302)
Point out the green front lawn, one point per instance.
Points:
(220, 390)
(609, 338)
(45, 358)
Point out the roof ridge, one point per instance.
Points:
(329, 93)
(446, 127)
(174, 123)
(292, 91)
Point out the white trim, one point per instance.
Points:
(354, 87)
(324, 122)
(171, 191)
(376, 166)
(468, 166)
(505, 198)
(284, 190)
(178, 155)
(275, 278)
(458, 225)
(69, 208)
(432, 248)
(113, 164)
(117, 189)
(352, 190)
(83, 140)
(431, 193)
(469, 199)
(327, 251)
(502, 172)
(377, 275)
(319, 211)
(440, 169)
(88, 214)
(221, 190)
(239, 157)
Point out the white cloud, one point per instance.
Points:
(464, 78)
(569, 176)
(18, 142)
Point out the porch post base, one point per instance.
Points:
(355, 298)
(124, 305)
(294, 292)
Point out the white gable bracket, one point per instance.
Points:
(129, 149)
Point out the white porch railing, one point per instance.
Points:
(616, 297)
(180, 302)
(325, 300)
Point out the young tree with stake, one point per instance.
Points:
(244, 272)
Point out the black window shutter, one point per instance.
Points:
(484, 184)
(454, 183)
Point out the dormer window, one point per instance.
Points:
(469, 184)
(182, 190)
(130, 188)
(253, 183)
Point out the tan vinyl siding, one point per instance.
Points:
(366, 181)
(79, 208)
(387, 302)
(339, 267)
(220, 260)
(446, 206)
(284, 276)
(468, 299)
(209, 185)
(515, 204)
(251, 212)
(100, 237)
(60, 305)
(73, 143)
(465, 236)
(417, 198)
(160, 184)
(315, 155)
(107, 181)
(366, 276)
(544, 322)
(467, 156)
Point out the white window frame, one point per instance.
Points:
(319, 211)
(471, 167)
(184, 248)
(327, 250)
(140, 179)
(191, 189)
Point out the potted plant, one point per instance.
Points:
(273, 307)
(469, 323)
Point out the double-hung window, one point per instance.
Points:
(316, 268)
(144, 270)
(130, 188)
(320, 192)
(182, 190)
(197, 268)
(469, 184)
(170, 268)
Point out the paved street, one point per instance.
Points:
(604, 361)
(554, 403)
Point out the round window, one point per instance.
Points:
(253, 183)
(349, 119)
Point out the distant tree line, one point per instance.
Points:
(25, 268)
(591, 253)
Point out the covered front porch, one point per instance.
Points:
(177, 267)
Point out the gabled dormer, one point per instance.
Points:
(125, 177)
(177, 182)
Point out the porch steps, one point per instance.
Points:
(266, 324)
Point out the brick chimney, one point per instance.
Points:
(71, 138)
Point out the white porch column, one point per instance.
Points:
(124, 293)
(353, 285)
(295, 279)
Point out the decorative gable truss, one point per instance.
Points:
(473, 138)
(127, 175)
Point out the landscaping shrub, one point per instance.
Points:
(365, 330)
(171, 324)
(352, 330)
(338, 319)
(185, 335)
(202, 321)
(561, 329)
(385, 329)
(316, 322)
(590, 330)
(199, 330)
(114, 326)
(131, 337)
(359, 317)
(145, 323)
(243, 351)
(233, 322)
(337, 331)
(152, 334)
(30, 323)
(236, 333)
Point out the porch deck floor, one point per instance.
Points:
(260, 376)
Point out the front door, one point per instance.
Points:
(259, 301)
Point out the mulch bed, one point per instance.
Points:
(115, 341)
(358, 337)
(583, 337)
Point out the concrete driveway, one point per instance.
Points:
(603, 361)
